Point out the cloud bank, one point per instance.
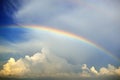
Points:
(45, 64)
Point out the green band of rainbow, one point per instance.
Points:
(71, 35)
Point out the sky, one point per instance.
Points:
(36, 39)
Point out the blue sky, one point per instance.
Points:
(97, 21)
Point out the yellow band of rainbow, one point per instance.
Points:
(70, 35)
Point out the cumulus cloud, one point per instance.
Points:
(13, 67)
(45, 64)
(109, 71)
(40, 64)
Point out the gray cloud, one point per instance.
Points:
(97, 22)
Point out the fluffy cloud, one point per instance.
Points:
(45, 64)
(40, 64)
(13, 67)
(109, 71)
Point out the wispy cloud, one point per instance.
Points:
(4, 49)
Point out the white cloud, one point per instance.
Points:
(13, 67)
(45, 64)
(109, 71)
(93, 70)
(39, 65)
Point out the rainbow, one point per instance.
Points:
(71, 35)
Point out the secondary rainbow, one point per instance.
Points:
(70, 35)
